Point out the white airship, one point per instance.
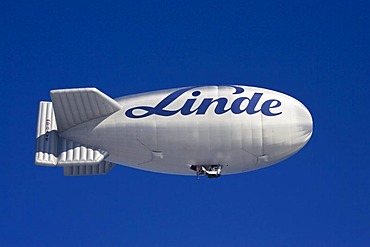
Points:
(205, 130)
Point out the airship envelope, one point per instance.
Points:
(205, 130)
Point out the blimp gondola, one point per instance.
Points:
(204, 130)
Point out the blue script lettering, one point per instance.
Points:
(220, 107)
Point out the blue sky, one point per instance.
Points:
(316, 51)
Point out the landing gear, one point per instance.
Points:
(212, 171)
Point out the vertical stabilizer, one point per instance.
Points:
(46, 136)
(79, 105)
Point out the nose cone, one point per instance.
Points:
(304, 126)
(298, 129)
(286, 135)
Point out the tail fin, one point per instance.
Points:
(79, 170)
(46, 136)
(75, 106)
(52, 150)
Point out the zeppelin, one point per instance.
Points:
(206, 130)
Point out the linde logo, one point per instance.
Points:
(219, 109)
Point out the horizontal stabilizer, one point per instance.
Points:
(71, 152)
(79, 105)
(95, 169)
